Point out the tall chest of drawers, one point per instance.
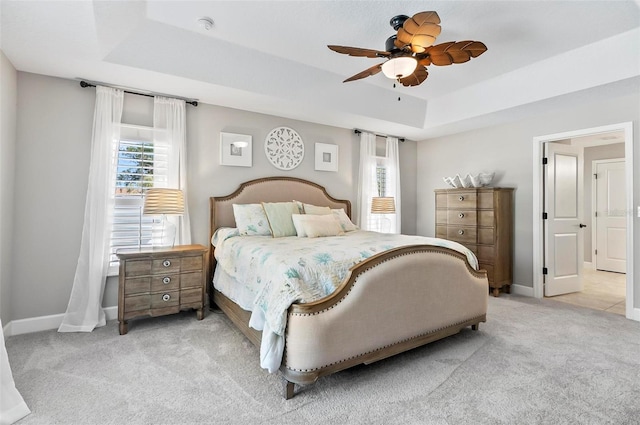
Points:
(482, 220)
(157, 282)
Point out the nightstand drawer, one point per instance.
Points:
(165, 265)
(167, 282)
(137, 268)
(165, 299)
(194, 263)
(191, 280)
(137, 303)
(190, 296)
(137, 285)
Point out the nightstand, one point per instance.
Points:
(160, 281)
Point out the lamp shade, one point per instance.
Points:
(164, 201)
(383, 205)
(400, 67)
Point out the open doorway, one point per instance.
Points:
(603, 262)
(592, 139)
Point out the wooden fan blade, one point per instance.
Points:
(419, 31)
(418, 76)
(358, 51)
(366, 73)
(455, 52)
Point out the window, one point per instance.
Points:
(379, 222)
(140, 164)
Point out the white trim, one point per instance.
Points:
(45, 323)
(588, 265)
(526, 291)
(538, 248)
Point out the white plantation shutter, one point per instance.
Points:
(141, 165)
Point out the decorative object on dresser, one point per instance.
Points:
(284, 148)
(326, 157)
(480, 219)
(236, 150)
(157, 282)
(479, 180)
(166, 202)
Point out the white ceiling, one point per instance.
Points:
(271, 56)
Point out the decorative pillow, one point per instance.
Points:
(251, 220)
(297, 223)
(346, 224)
(321, 225)
(279, 217)
(315, 210)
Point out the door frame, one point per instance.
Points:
(594, 220)
(538, 196)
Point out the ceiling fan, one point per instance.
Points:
(411, 50)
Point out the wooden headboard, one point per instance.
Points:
(268, 189)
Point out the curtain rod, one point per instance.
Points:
(84, 84)
(356, 131)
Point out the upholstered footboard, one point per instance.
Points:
(393, 302)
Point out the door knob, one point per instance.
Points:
(582, 225)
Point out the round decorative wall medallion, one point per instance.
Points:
(284, 148)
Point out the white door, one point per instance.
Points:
(564, 231)
(610, 220)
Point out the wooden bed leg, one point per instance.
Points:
(288, 389)
(475, 327)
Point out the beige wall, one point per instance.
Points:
(8, 95)
(52, 159)
(508, 150)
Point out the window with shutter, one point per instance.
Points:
(140, 164)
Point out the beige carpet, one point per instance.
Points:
(534, 362)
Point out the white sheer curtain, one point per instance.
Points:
(84, 311)
(169, 119)
(12, 405)
(367, 183)
(393, 182)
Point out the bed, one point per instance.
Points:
(393, 301)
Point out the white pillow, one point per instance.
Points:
(343, 219)
(297, 223)
(321, 225)
(251, 220)
(315, 210)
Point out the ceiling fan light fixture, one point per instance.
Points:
(399, 67)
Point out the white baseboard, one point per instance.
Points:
(635, 314)
(45, 323)
(589, 265)
(527, 291)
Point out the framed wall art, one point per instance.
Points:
(284, 148)
(326, 157)
(235, 150)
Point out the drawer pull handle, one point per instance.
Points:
(460, 198)
(166, 263)
(461, 232)
(461, 215)
(166, 280)
(166, 297)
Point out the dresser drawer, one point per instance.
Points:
(137, 285)
(441, 232)
(464, 235)
(486, 236)
(193, 263)
(486, 253)
(441, 216)
(165, 282)
(165, 265)
(462, 217)
(486, 218)
(462, 200)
